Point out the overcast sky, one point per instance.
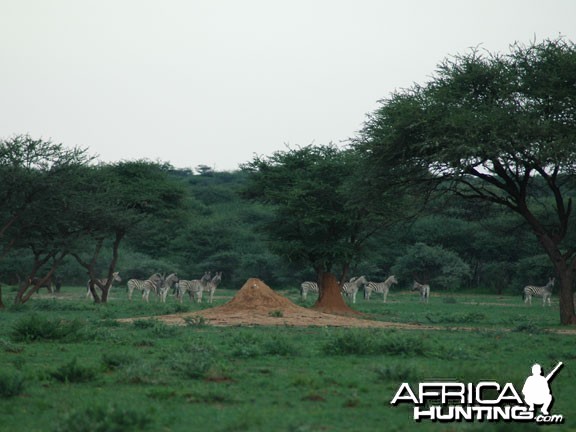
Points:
(215, 82)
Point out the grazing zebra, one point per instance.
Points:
(153, 283)
(351, 288)
(47, 284)
(542, 291)
(306, 287)
(212, 285)
(170, 281)
(424, 290)
(381, 287)
(115, 278)
(193, 287)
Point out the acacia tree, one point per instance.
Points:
(498, 128)
(123, 196)
(36, 179)
(316, 220)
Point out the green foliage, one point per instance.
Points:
(194, 363)
(398, 372)
(374, 343)
(435, 265)
(115, 360)
(72, 372)
(109, 418)
(35, 327)
(317, 221)
(11, 384)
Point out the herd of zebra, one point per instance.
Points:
(351, 288)
(162, 285)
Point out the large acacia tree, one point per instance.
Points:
(317, 220)
(494, 127)
(37, 192)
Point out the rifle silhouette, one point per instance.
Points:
(554, 371)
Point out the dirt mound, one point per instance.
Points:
(255, 295)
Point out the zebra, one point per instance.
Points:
(424, 290)
(381, 287)
(542, 291)
(47, 284)
(101, 282)
(351, 288)
(193, 287)
(151, 284)
(170, 281)
(212, 285)
(306, 287)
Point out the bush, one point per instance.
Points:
(72, 372)
(195, 362)
(11, 384)
(374, 343)
(397, 372)
(279, 346)
(106, 419)
(34, 327)
(113, 361)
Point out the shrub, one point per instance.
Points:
(106, 419)
(196, 321)
(10, 347)
(11, 384)
(113, 361)
(368, 343)
(246, 345)
(397, 372)
(194, 362)
(72, 372)
(280, 346)
(34, 327)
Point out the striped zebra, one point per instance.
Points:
(153, 283)
(194, 288)
(424, 290)
(539, 291)
(379, 287)
(212, 285)
(101, 282)
(351, 288)
(167, 284)
(306, 287)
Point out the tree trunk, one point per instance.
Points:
(565, 267)
(106, 289)
(565, 273)
(330, 299)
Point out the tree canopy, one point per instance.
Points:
(498, 128)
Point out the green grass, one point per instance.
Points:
(68, 365)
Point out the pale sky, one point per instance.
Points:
(215, 82)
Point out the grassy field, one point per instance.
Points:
(68, 365)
